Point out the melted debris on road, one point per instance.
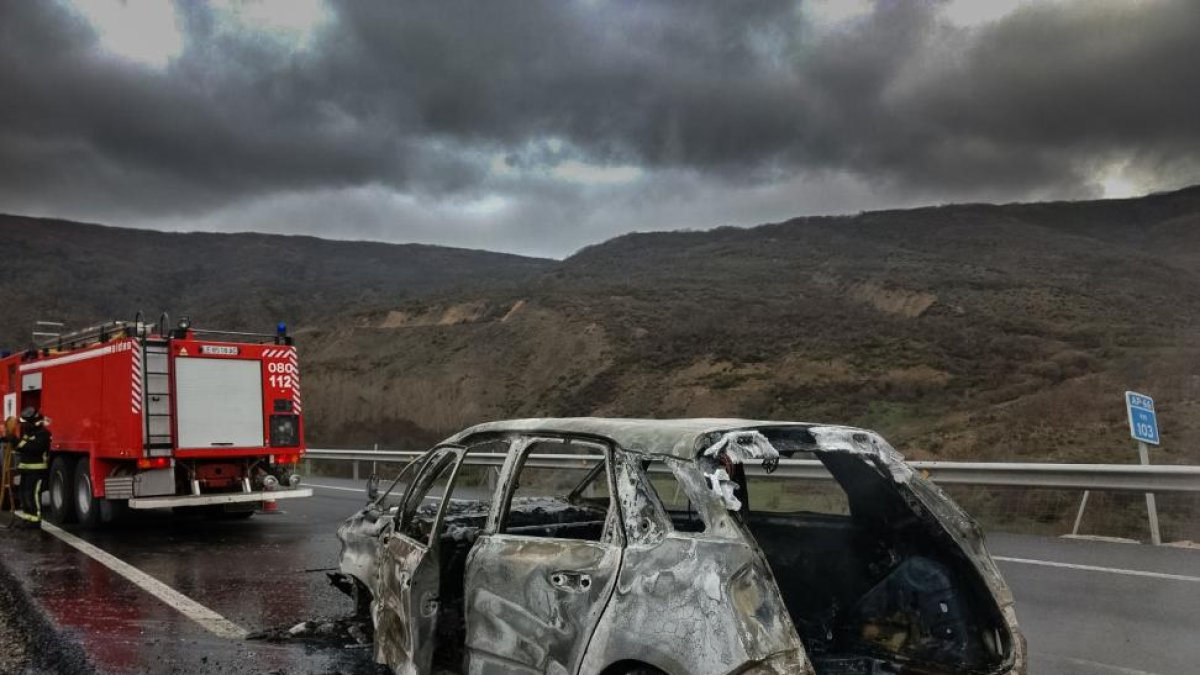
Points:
(349, 631)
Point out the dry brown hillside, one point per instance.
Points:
(983, 331)
(961, 331)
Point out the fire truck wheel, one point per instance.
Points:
(62, 484)
(87, 506)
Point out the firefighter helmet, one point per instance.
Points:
(30, 414)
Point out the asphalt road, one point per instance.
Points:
(1086, 607)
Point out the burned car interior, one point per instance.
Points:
(871, 580)
(542, 503)
(878, 587)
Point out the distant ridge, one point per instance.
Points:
(88, 272)
(970, 330)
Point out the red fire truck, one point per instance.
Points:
(154, 416)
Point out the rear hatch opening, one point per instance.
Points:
(871, 578)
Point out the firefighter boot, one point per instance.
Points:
(30, 511)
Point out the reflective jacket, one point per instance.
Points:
(33, 450)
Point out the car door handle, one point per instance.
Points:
(570, 581)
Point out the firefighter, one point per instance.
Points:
(33, 450)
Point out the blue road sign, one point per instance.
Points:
(1143, 422)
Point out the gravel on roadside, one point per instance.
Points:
(14, 634)
(30, 644)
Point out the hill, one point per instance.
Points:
(982, 331)
(82, 273)
(976, 331)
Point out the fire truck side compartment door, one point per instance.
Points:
(31, 381)
(218, 402)
(154, 483)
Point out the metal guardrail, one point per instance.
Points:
(1131, 477)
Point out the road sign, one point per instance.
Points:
(1143, 422)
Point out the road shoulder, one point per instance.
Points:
(29, 641)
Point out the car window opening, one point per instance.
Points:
(673, 497)
(470, 501)
(545, 502)
(557, 502)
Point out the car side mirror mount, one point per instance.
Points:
(373, 487)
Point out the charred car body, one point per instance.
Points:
(610, 546)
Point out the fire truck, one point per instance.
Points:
(159, 415)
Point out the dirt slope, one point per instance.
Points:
(960, 331)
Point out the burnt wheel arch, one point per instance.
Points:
(631, 667)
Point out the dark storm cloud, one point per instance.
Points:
(747, 103)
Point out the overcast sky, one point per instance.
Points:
(540, 127)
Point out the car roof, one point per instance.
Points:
(682, 438)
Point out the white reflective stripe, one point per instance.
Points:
(207, 618)
(69, 358)
(1096, 568)
(1092, 666)
(136, 392)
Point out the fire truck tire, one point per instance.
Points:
(87, 506)
(61, 488)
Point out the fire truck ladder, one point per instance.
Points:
(157, 398)
(82, 337)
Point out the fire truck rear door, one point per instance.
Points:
(219, 402)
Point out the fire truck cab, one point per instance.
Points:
(150, 416)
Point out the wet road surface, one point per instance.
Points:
(1138, 614)
(266, 572)
(1112, 621)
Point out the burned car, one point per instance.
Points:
(619, 546)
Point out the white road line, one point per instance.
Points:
(334, 487)
(1095, 568)
(208, 619)
(1092, 666)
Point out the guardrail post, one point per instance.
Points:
(1079, 515)
(355, 465)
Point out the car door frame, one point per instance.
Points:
(409, 574)
(496, 610)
